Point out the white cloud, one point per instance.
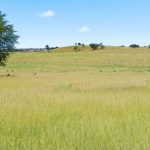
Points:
(48, 13)
(85, 29)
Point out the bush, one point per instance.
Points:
(47, 47)
(76, 48)
(101, 46)
(134, 46)
(94, 46)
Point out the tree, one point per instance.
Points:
(101, 46)
(47, 47)
(83, 45)
(134, 46)
(94, 46)
(8, 39)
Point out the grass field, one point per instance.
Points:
(93, 100)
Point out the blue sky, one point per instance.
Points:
(64, 22)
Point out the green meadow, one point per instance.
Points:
(66, 100)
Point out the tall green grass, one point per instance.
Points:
(71, 105)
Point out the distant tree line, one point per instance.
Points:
(77, 46)
(80, 44)
(29, 49)
(47, 48)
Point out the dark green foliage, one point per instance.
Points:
(3, 58)
(8, 39)
(94, 46)
(47, 47)
(134, 46)
(101, 46)
(83, 45)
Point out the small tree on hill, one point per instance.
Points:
(76, 48)
(134, 46)
(8, 39)
(47, 47)
(83, 45)
(101, 46)
(94, 46)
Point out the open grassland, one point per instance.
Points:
(76, 101)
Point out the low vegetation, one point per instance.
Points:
(88, 100)
(134, 46)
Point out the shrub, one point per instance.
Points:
(134, 46)
(76, 48)
(94, 46)
(101, 46)
(47, 47)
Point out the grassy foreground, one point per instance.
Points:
(77, 101)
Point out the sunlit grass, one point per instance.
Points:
(73, 103)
